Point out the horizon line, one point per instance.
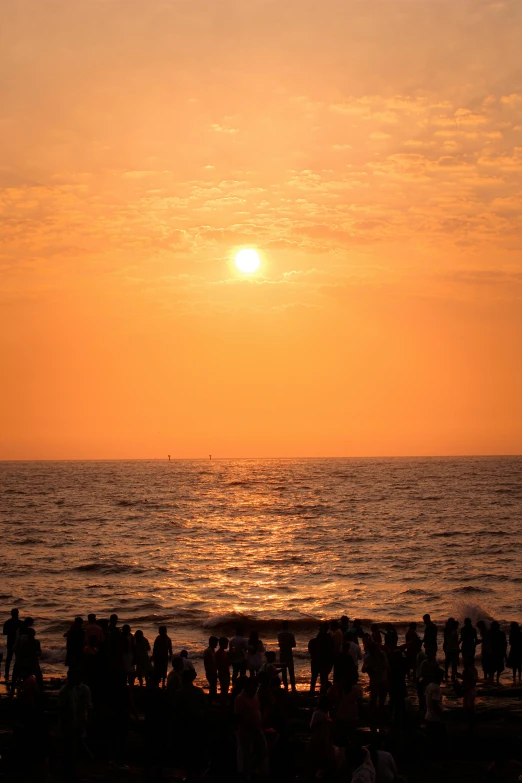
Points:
(236, 459)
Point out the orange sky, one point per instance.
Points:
(372, 153)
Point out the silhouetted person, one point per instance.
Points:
(391, 639)
(357, 629)
(191, 708)
(237, 653)
(251, 743)
(469, 679)
(337, 636)
(344, 624)
(435, 713)
(74, 705)
(376, 666)
(413, 647)
(112, 646)
(142, 658)
(398, 669)
(313, 651)
(27, 653)
(325, 655)
(127, 653)
(75, 642)
(498, 650)
(94, 629)
(427, 673)
(223, 666)
(255, 653)
(514, 661)
(375, 634)
(174, 682)
(211, 671)
(451, 648)
(430, 633)
(161, 654)
(486, 656)
(286, 642)
(11, 628)
(468, 639)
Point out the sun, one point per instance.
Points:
(247, 261)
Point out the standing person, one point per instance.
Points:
(75, 642)
(223, 666)
(10, 629)
(93, 629)
(375, 634)
(354, 650)
(345, 624)
(357, 629)
(430, 633)
(141, 652)
(127, 652)
(391, 639)
(27, 653)
(162, 654)
(313, 651)
(325, 654)
(451, 648)
(237, 654)
(74, 705)
(398, 669)
(486, 657)
(468, 639)
(209, 662)
(256, 649)
(498, 650)
(514, 660)
(435, 711)
(113, 643)
(469, 678)
(251, 743)
(427, 673)
(413, 647)
(337, 636)
(376, 665)
(286, 642)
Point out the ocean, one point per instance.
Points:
(198, 545)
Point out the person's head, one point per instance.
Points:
(177, 665)
(357, 623)
(431, 650)
(323, 704)
(113, 619)
(31, 633)
(223, 642)
(213, 642)
(323, 628)
(126, 629)
(14, 614)
(438, 676)
(78, 622)
(356, 756)
(74, 675)
(467, 621)
(239, 630)
(162, 630)
(514, 627)
(254, 637)
(138, 636)
(334, 625)
(270, 656)
(91, 618)
(481, 625)
(495, 626)
(345, 621)
(412, 626)
(374, 628)
(183, 654)
(285, 625)
(188, 676)
(426, 619)
(28, 622)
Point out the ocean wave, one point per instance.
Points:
(472, 589)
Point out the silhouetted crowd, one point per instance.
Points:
(244, 721)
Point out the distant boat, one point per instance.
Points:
(169, 457)
(210, 456)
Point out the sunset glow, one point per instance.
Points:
(371, 154)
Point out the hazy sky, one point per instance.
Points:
(370, 151)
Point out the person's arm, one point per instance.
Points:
(169, 650)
